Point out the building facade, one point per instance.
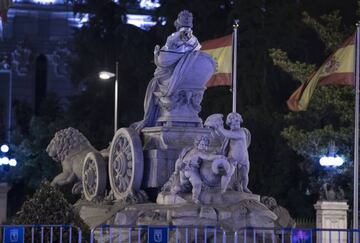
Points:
(35, 53)
(35, 47)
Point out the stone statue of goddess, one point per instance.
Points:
(172, 60)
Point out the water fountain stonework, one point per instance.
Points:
(200, 170)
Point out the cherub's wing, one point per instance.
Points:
(248, 136)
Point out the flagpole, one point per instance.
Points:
(356, 136)
(234, 85)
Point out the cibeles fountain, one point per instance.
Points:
(198, 170)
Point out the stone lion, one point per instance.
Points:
(284, 219)
(69, 146)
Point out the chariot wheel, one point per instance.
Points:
(94, 176)
(126, 163)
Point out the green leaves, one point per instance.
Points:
(330, 30)
(49, 207)
(330, 116)
(314, 144)
(298, 70)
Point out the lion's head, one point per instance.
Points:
(269, 202)
(64, 142)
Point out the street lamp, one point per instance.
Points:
(4, 160)
(334, 161)
(104, 75)
(331, 159)
(4, 148)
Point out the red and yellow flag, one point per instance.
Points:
(338, 69)
(221, 50)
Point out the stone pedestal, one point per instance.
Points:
(4, 188)
(331, 215)
(231, 211)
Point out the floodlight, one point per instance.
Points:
(331, 161)
(5, 160)
(12, 162)
(4, 148)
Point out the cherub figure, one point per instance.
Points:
(187, 167)
(237, 140)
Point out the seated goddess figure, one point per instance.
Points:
(172, 61)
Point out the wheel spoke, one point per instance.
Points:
(125, 152)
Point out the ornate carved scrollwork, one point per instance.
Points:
(180, 100)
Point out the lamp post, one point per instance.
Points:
(104, 75)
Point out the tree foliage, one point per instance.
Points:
(47, 206)
(298, 70)
(330, 113)
(30, 138)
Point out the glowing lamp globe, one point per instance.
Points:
(4, 148)
(12, 162)
(331, 159)
(106, 75)
(4, 160)
(334, 161)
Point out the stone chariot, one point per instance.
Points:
(145, 158)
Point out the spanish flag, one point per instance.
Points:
(221, 50)
(338, 69)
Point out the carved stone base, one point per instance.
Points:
(170, 137)
(230, 216)
(206, 198)
(184, 109)
(185, 106)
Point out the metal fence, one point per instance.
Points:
(173, 234)
(40, 233)
(306, 223)
(193, 234)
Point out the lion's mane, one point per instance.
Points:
(64, 141)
